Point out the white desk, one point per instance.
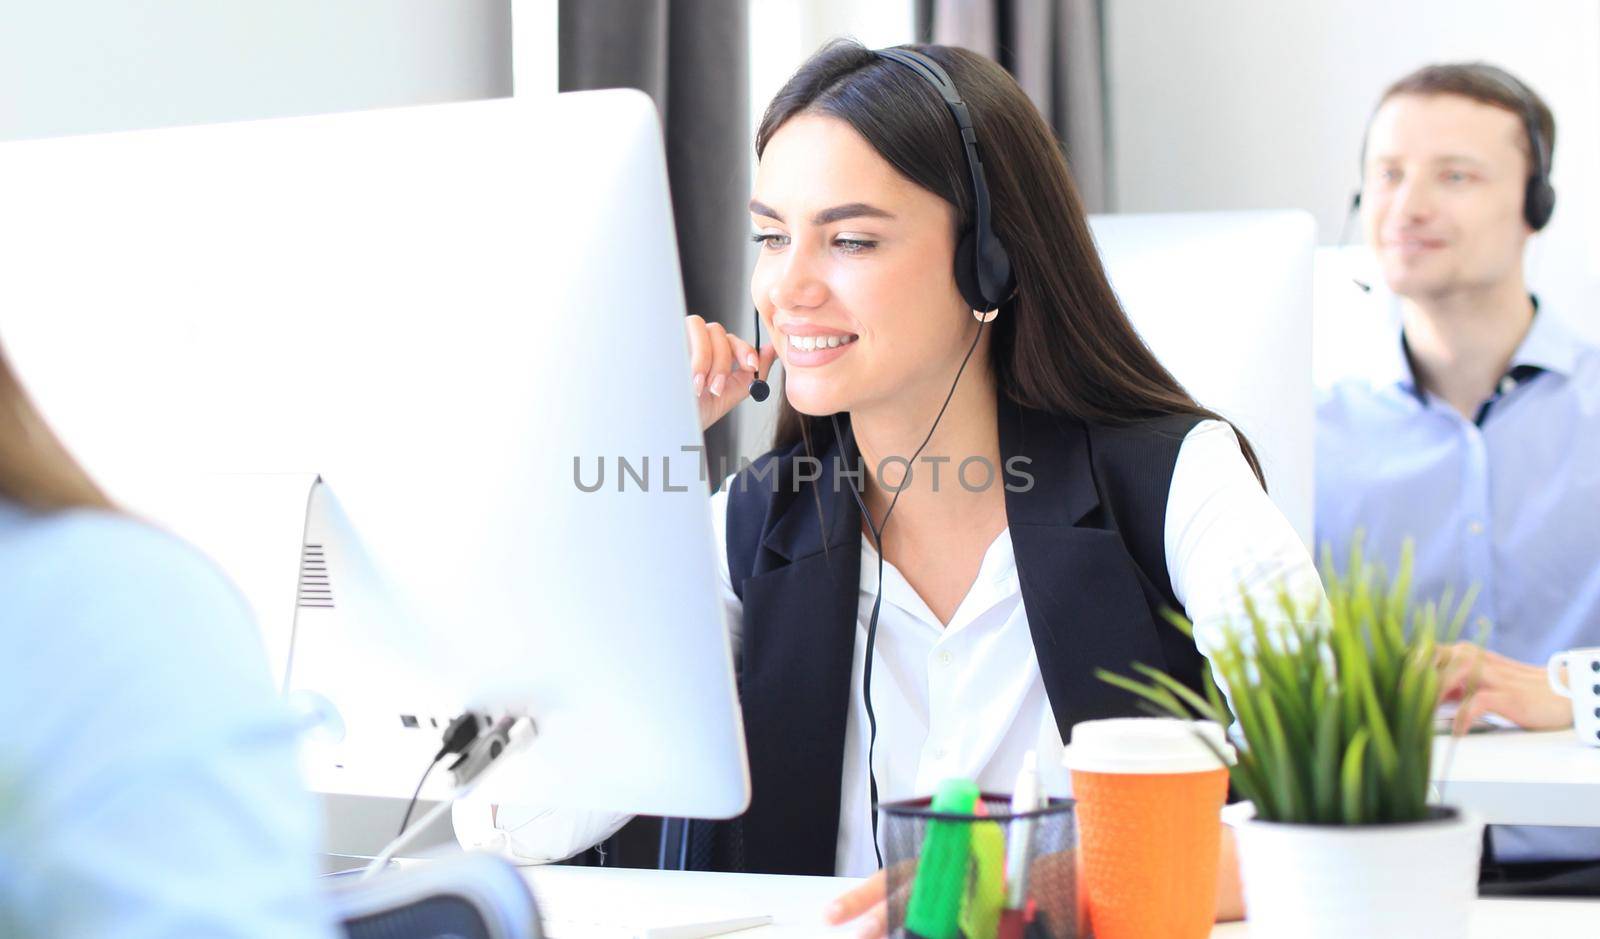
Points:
(1500, 919)
(595, 903)
(1513, 777)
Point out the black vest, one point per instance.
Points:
(1088, 536)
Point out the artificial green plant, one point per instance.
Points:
(1335, 704)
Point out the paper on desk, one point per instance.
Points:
(602, 903)
(588, 908)
(707, 929)
(1444, 720)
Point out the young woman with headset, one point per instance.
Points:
(929, 278)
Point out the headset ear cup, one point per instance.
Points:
(966, 266)
(996, 263)
(1539, 203)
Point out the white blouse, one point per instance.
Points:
(968, 699)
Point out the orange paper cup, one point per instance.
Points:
(1150, 797)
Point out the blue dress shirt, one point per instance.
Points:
(1508, 500)
(148, 778)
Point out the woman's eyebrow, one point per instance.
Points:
(849, 210)
(827, 216)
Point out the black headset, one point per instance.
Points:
(1539, 197)
(982, 266)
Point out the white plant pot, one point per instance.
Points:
(1408, 881)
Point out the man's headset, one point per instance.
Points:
(982, 266)
(1539, 197)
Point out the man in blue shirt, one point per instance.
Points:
(1477, 431)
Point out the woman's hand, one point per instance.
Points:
(868, 904)
(722, 366)
(1516, 691)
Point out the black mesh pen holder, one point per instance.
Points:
(942, 871)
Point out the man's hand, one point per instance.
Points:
(1491, 682)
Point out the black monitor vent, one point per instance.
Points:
(316, 592)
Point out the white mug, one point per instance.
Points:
(1582, 686)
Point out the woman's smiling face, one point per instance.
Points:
(855, 276)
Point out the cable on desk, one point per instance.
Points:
(457, 737)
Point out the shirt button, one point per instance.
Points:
(939, 753)
(1476, 528)
(945, 658)
(1507, 385)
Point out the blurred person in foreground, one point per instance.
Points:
(148, 777)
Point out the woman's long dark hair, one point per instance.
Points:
(1063, 345)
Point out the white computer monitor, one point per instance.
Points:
(435, 310)
(1223, 299)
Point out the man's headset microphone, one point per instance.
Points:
(1539, 197)
(985, 279)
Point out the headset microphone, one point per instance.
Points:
(1344, 230)
(758, 388)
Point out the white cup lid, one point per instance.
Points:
(1147, 745)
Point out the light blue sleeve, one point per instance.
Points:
(148, 778)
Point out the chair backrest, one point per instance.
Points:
(472, 896)
(1223, 299)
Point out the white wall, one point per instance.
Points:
(535, 45)
(104, 65)
(784, 32)
(1237, 104)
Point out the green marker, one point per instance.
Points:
(934, 911)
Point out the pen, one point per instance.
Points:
(1025, 797)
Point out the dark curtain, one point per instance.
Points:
(692, 58)
(1055, 48)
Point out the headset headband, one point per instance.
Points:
(990, 280)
